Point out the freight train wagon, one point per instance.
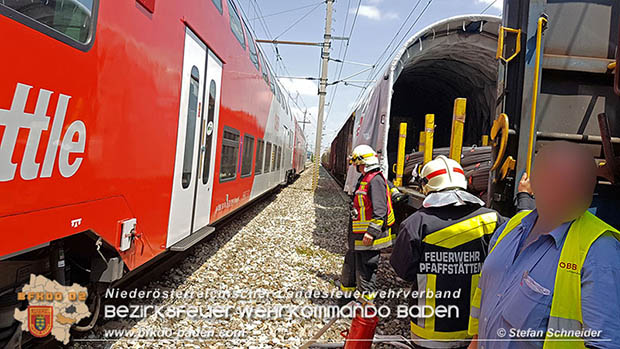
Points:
(571, 91)
(127, 129)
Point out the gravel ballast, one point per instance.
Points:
(292, 242)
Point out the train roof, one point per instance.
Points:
(448, 57)
(404, 56)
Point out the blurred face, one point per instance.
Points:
(361, 168)
(563, 180)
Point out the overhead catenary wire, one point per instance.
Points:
(344, 58)
(278, 58)
(297, 21)
(402, 26)
(277, 54)
(364, 87)
(381, 67)
(488, 7)
(286, 11)
(261, 20)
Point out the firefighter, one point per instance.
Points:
(440, 249)
(369, 229)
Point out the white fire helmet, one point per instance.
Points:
(364, 155)
(442, 173)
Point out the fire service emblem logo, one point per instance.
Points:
(40, 320)
(52, 308)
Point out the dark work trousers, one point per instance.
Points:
(359, 270)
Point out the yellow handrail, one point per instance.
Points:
(422, 139)
(458, 126)
(500, 44)
(530, 145)
(500, 123)
(400, 163)
(508, 165)
(429, 127)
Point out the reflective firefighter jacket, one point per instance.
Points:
(441, 251)
(373, 213)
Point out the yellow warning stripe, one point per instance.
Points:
(429, 334)
(375, 242)
(347, 289)
(463, 232)
(362, 213)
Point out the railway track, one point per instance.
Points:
(169, 259)
(298, 243)
(156, 268)
(292, 240)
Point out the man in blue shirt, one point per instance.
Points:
(518, 278)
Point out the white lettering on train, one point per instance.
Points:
(15, 119)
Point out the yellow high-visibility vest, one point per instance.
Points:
(364, 209)
(566, 302)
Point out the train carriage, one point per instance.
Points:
(570, 93)
(299, 156)
(129, 129)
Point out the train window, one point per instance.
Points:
(218, 5)
(274, 155)
(209, 132)
(278, 94)
(70, 21)
(235, 23)
(285, 130)
(252, 48)
(260, 144)
(272, 83)
(265, 71)
(248, 152)
(267, 157)
(190, 129)
(279, 157)
(230, 152)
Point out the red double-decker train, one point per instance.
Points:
(128, 128)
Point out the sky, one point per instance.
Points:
(376, 25)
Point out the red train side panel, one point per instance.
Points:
(90, 131)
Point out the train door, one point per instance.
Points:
(187, 154)
(208, 144)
